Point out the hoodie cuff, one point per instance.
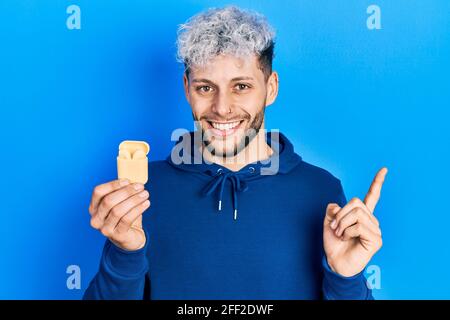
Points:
(123, 263)
(338, 287)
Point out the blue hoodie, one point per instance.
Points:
(217, 234)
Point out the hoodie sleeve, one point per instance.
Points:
(338, 287)
(121, 275)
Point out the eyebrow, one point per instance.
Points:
(241, 78)
(232, 80)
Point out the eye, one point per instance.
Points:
(242, 86)
(204, 89)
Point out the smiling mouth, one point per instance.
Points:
(224, 128)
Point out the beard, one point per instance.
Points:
(249, 134)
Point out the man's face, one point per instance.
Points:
(228, 97)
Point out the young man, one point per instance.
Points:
(236, 213)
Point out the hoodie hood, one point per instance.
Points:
(186, 156)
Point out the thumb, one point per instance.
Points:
(331, 211)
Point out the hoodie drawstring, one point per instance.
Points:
(237, 185)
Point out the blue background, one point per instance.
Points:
(351, 99)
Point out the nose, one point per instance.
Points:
(222, 104)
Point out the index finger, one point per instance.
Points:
(102, 190)
(373, 195)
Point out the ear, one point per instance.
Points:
(272, 88)
(186, 87)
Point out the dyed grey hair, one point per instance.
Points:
(228, 30)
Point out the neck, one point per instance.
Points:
(256, 150)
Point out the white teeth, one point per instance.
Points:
(225, 126)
